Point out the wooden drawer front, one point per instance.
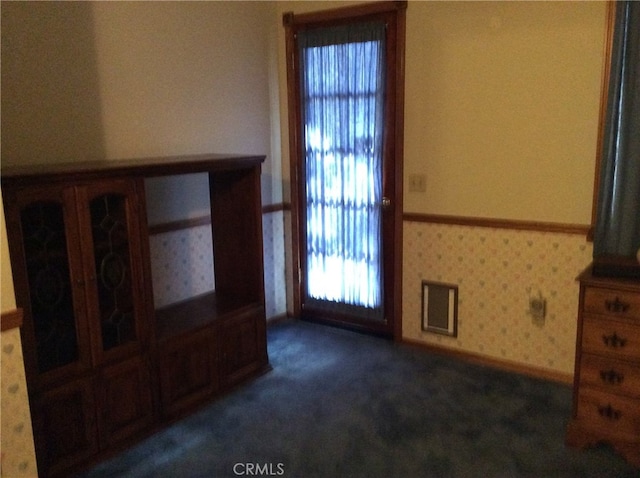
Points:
(612, 414)
(610, 337)
(612, 302)
(614, 376)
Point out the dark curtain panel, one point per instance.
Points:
(342, 83)
(617, 230)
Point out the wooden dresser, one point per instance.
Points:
(606, 396)
(104, 367)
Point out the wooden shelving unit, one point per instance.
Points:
(105, 368)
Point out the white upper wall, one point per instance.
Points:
(501, 109)
(130, 79)
(501, 113)
(186, 77)
(183, 77)
(51, 107)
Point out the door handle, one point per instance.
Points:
(386, 203)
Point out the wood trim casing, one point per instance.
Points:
(536, 226)
(578, 229)
(11, 319)
(294, 120)
(289, 19)
(398, 144)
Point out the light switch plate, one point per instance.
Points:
(417, 183)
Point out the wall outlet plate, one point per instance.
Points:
(537, 307)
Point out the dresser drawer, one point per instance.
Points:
(612, 376)
(610, 413)
(611, 337)
(612, 302)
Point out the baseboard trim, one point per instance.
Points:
(505, 365)
(535, 372)
(276, 319)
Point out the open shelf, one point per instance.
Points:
(196, 313)
(188, 315)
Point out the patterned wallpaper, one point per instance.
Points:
(274, 263)
(16, 439)
(497, 271)
(182, 264)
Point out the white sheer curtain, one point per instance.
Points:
(342, 73)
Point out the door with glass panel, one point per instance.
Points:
(344, 84)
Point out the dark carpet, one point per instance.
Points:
(341, 404)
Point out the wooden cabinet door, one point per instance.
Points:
(77, 263)
(44, 240)
(242, 351)
(188, 371)
(112, 259)
(125, 401)
(64, 426)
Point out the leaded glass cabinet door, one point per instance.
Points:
(112, 258)
(49, 283)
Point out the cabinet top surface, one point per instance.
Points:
(146, 167)
(588, 278)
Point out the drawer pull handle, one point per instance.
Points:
(616, 306)
(611, 377)
(614, 341)
(609, 413)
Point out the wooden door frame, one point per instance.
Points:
(394, 139)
